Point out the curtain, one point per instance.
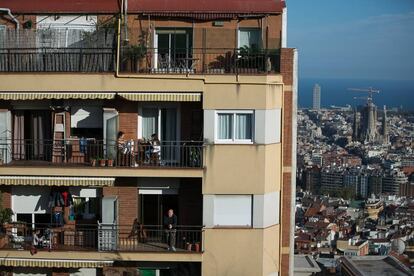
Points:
(225, 126)
(149, 122)
(244, 126)
(18, 135)
(169, 134)
(41, 134)
(249, 37)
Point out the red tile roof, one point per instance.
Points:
(56, 6)
(145, 6)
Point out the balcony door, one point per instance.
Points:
(5, 136)
(111, 126)
(163, 121)
(172, 49)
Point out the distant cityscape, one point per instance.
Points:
(355, 180)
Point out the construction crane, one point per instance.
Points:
(368, 90)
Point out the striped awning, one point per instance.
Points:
(23, 262)
(57, 181)
(161, 97)
(14, 96)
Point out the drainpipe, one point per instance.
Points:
(11, 16)
(126, 20)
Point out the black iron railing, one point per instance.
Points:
(104, 238)
(149, 61)
(57, 60)
(99, 153)
(201, 61)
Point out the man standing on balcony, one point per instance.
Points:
(170, 224)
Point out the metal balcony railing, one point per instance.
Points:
(200, 61)
(57, 59)
(103, 238)
(149, 61)
(99, 153)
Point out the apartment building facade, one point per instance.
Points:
(112, 113)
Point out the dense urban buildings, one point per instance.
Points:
(355, 199)
(146, 138)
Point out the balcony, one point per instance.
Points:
(99, 153)
(200, 61)
(102, 238)
(168, 51)
(86, 60)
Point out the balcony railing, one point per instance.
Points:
(151, 61)
(57, 60)
(99, 153)
(200, 61)
(103, 238)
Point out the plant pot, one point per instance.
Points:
(197, 247)
(102, 162)
(3, 241)
(189, 246)
(110, 163)
(93, 162)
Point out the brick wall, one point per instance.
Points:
(127, 202)
(286, 70)
(5, 196)
(128, 118)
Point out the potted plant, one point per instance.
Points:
(134, 55)
(102, 162)
(110, 162)
(5, 218)
(93, 162)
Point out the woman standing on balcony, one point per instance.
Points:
(125, 151)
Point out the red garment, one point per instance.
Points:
(65, 196)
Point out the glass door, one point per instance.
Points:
(173, 49)
(110, 133)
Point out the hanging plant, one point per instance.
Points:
(28, 24)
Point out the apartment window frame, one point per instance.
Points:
(219, 214)
(233, 139)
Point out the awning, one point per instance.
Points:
(57, 181)
(23, 262)
(14, 96)
(161, 97)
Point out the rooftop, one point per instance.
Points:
(375, 265)
(305, 263)
(144, 6)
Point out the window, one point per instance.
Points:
(233, 210)
(234, 127)
(249, 37)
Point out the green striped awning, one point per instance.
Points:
(26, 262)
(161, 97)
(14, 96)
(57, 181)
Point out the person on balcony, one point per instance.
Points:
(170, 227)
(37, 242)
(125, 151)
(138, 232)
(153, 150)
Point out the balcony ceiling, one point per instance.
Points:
(143, 6)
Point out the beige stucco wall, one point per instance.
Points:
(242, 169)
(241, 251)
(242, 96)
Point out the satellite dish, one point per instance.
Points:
(398, 246)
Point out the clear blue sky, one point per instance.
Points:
(365, 39)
